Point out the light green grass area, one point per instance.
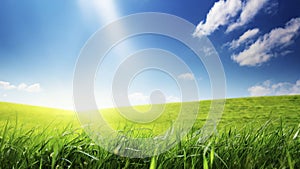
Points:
(237, 113)
(262, 132)
(36, 117)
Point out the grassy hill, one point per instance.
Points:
(237, 112)
(260, 109)
(256, 132)
(35, 116)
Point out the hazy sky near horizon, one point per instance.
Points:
(257, 40)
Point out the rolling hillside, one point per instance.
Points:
(237, 112)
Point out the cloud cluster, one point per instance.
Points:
(265, 46)
(186, 76)
(237, 13)
(249, 10)
(234, 13)
(267, 88)
(243, 38)
(21, 87)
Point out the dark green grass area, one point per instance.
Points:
(269, 146)
(262, 132)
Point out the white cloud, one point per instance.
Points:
(249, 10)
(186, 76)
(219, 15)
(265, 47)
(138, 98)
(21, 87)
(267, 88)
(244, 38)
(260, 90)
(6, 85)
(208, 51)
(225, 12)
(31, 88)
(171, 99)
(272, 8)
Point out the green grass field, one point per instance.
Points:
(262, 132)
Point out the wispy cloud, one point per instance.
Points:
(219, 15)
(186, 76)
(266, 46)
(21, 87)
(249, 10)
(272, 7)
(243, 38)
(269, 88)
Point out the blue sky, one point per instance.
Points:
(257, 41)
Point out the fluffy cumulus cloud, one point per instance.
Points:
(21, 87)
(219, 15)
(249, 10)
(264, 48)
(269, 88)
(243, 38)
(186, 76)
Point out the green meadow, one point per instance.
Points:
(29, 117)
(256, 132)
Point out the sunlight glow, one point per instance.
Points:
(105, 9)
